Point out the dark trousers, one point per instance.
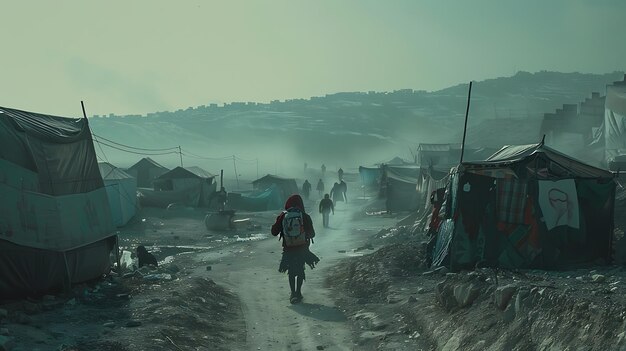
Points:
(325, 216)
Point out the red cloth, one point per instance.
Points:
(277, 227)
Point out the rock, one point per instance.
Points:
(465, 294)
(208, 268)
(173, 269)
(320, 347)
(598, 278)
(6, 343)
(503, 295)
(580, 279)
(132, 324)
(412, 299)
(3, 313)
(444, 293)
(109, 325)
(4, 331)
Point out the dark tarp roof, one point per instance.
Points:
(108, 171)
(60, 150)
(513, 154)
(147, 162)
(181, 172)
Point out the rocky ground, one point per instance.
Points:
(371, 291)
(396, 303)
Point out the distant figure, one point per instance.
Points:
(145, 258)
(306, 166)
(344, 188)
(326, 206)
(340, 174)
(320, 187)
(323, 170)
(222, 198)
(336, 193)
(306, 189)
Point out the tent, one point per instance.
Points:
(268, 199)
(146, 171)
(526, 206)
(370, 176)
(122, 193)
(194, 188)
(399, 186)
(55, 222)
(287, 186)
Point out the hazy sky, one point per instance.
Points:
(153, 55)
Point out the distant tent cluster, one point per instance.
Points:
(270, 193)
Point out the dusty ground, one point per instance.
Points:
(222, 291)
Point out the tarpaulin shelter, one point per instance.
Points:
(194, 188)
(526, 206)
(270, 198)
(55, 222)
(370, 176)
(399, 186)
(121, 190)
(146, 171)
(287, 186)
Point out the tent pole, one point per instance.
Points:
(117, 254)
(83, 107)
(68, 275)
(469, 97)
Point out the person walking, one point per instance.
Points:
(340, 174)
(323, 170)
(295, 228)
(320, 187)
(306, 189)
(336, 193)
(326, 206)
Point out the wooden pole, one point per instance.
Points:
(180, 152)
(469, 98)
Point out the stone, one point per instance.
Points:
(208, 268)
(466, 294)
(598, 278)
(132, 324)
(444, 293)
(412, 299)
(503, 295)
(6, 343)
(320, 347)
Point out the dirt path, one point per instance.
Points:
(272, 322)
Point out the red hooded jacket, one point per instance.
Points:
(277, 227)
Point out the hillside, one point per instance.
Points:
(355, 126)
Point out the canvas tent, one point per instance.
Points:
(194, 188)
(270, 198)
(526, 206)
(55, 222)
(399, 186)
(370, 176)
(146, 171)
(121, 190)
(286, 186)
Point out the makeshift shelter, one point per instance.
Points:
(121, 190)
(286, 186)
(146, 171)
(399, 186)
(370, 176)
(268, 199)
(526, 206)
(437, 154)
(180, 186)
(55, 222)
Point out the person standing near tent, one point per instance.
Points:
(295, 228)
(326, 206)
(340, 174)
(306, 189)
(320, 187)
(336, 193)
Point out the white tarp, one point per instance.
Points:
(558, 201)
(615, 121)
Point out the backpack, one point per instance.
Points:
(293, 228)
